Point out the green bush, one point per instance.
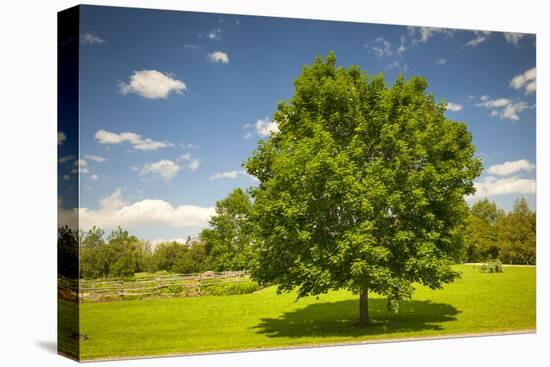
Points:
(492, 266)
(175, 288)
(229, 289)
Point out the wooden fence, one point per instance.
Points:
(152, 286)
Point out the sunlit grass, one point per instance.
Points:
(477, 303)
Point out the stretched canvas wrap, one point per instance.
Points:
(235, 183)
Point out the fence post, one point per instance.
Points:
(122, 290)
(200, 279)
(158, 287)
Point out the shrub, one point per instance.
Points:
(492, 266)
(233, 288)
(175, 288)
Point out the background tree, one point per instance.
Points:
(192, 260)
(166, 254)
(94, 260)
(362, 188)
(228, 240)
(67, 252)
(517, 234)
(481, 234)
(124, 250)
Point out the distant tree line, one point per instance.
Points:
(492, 233)
(228, 243)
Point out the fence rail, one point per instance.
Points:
(154, 286)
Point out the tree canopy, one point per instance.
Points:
(362, 187)
(228, 241)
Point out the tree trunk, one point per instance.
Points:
(364, 307)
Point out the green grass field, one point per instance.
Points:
(477, 303)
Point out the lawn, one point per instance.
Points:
(476, 303)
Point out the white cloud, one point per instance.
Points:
(94, 177)
(507, 168)
(61, 137)
(503, 108)
(192, 163)
(139, 143)
(441, 61)
(486, 102)
(454, 107)
(113, 201)
(511, 111)
(232, 175)
(423, 34)
(527, 80)
(114, 211)
(481, 36)
(66, 158)
(81, 166)
(95, 158)
(152, 84)
(492, 186)
(165, 168)
(384, 51)
(401, 47)
(513, 38)
(91, 39)
(381, 48)
(214, 34)
(218, 56)
(265, 127)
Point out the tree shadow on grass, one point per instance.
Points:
(340, 319)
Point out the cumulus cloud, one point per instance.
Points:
(526, 80)
(61, 137)
(165, 168)
(94, 177)
(262, 127)
(218, 56)
(513, 38)
(137, 142)
(266, 127)
(441, 61)
(510, 112)
(232, 175)
(91, 39)
(95, 158)
(454, 107)
(493, 186)
(152, 84)
(503, 108)
(509, 167)
(115, 211)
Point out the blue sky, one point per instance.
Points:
(172, 103)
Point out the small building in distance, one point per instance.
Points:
(191, 241)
